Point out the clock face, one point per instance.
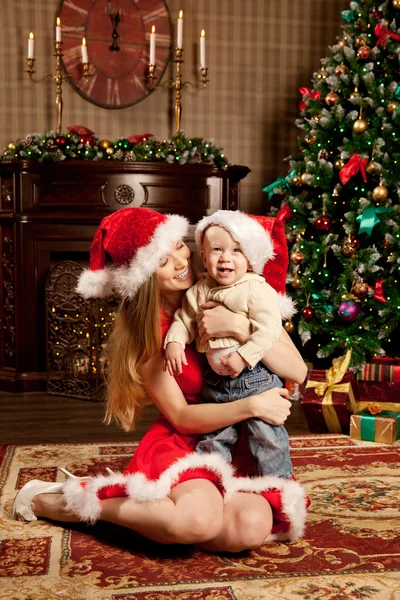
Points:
(117, 34)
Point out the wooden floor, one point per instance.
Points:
(38, 418)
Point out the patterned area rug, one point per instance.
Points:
(351, 548)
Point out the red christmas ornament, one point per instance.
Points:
(355, 241)
(323, 223)
(61, 141)
(308, 313)
(363, 52)
(331, 99)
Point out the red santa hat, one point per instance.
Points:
(136, 239)
(263, 241)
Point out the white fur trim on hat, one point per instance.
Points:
(95, 284)
(129, 278)
(287, 306)
(254, 240)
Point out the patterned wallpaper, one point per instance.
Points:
(259, 53)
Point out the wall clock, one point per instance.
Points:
(117, 34)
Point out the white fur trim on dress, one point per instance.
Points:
(81, 496)
(254, 240)
(95, 284)
(129, 278)
(287, 306)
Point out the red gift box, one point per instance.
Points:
(378, 383)
(328, 401)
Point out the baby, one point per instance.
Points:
(234, 247)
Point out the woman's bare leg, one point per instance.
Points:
(247, 522)
(193, 513)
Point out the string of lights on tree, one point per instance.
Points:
(340, 199)
(80, 143)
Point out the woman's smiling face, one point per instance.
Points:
(174, 273)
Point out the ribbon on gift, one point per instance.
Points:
(369, 218)
(334, 376)
(368, 424)
(379, 372)
(352, 167)
(307, 93)
(383, 32)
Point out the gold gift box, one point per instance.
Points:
(381, 429)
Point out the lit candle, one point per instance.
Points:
(153, 46)
(203, 49)
(179, 34)
(85, 58)
(31, 45)
(58, 30)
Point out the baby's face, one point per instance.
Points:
(223, 256)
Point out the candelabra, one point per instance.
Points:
(177, 84)
(58, 78)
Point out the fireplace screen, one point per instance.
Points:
(77, 332)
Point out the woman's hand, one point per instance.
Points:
(215, 321)
(272, 406)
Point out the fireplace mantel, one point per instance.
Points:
(50, 212)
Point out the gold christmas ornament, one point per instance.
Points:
(289, 326)
(380, 193)
(396, 3)
(12, 146)
(316, 117)
(304, 178)
(331, 99)
(371, 167)
(359, 41)
(360, 126)
(360, 289)
(341, 43)
(341, 69)
(336, 192)
(355, 94)
(349, 249)
(296, 282)
(311, 139)
(296, 181)
(392, 106)
(339, 164)
(322, 74)
(104, 144)
(110, 150)
(297, 257)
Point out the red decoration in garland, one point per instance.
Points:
(354, 165)
(308, 313)
(61, 141)
(307, 93)
(137, 139)
(85, 133)
(284, 213)
(379, 294)
(382, 33)
(323, 223)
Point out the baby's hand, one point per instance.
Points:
(234, 363)
(173, 359)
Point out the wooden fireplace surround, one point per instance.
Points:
(50, 212)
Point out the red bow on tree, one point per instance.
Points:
(137, 139)
(284, 213)
(379, 294)
(382, 32)
(308, 94)
(355, 164)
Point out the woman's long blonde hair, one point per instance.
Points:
(135, 339)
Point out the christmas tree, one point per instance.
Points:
(340, 200)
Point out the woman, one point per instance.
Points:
(169, 493)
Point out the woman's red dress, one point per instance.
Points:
(164, 458)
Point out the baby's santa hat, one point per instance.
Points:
(263, 241)
(136, 239)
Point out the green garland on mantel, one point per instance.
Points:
(80, 143)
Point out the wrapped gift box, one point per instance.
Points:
(383, 427)
(328, 401)
(378, 382)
